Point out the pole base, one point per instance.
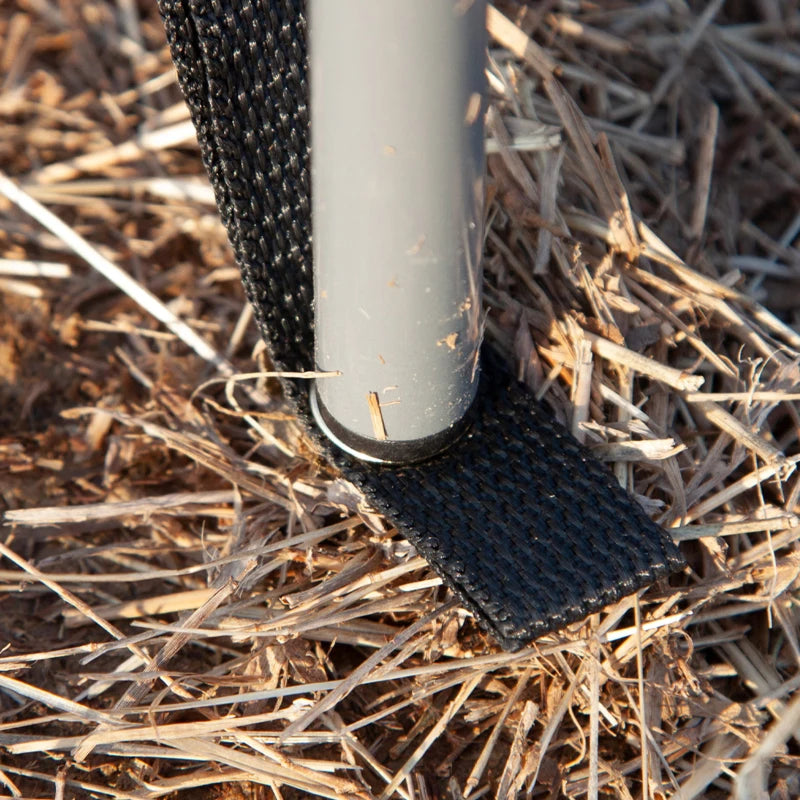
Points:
(387, 451)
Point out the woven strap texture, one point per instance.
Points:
(518, 518)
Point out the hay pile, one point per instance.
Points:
(193, 606)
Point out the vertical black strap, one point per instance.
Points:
(519, 520)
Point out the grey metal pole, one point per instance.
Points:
(397, 154)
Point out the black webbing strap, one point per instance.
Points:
(520, 521)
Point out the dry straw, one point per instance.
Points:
(194, 606)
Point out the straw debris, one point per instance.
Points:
(195, 606)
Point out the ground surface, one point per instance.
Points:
(182, 580)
